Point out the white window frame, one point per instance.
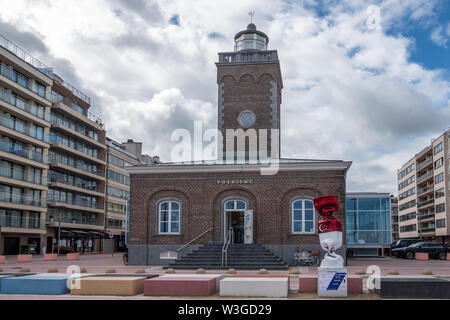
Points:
(169, 221)
(303, 220)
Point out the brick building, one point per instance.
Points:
(177, 208)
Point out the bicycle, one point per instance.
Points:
(304, 258)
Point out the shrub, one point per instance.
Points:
(262, 271)
(427, 272)
(360, 272)
(140, 271)
(294, 271)
(1, 270)
(83, 270)
(200, 271)
(393, 273)
(52, 270)
(110, 271)
(24, 270)
(231, 271)
(170, 270)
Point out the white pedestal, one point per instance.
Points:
(332, 282)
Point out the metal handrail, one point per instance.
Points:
(225, 247)
(197, 237)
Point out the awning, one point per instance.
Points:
(77, 233)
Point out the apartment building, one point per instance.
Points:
(118, 192)
(120, 157)
(394, 218)
(25, 103)
(423, 184)
(77, 160)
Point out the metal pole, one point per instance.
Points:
(59, 230)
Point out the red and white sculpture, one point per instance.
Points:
(330, 231)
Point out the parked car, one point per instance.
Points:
(402, 243)
(434, 249)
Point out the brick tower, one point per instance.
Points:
(250, 85)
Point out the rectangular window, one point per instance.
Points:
(439, 178)
(439, 163)
(440, 208)
(438, 148)
(439, 193)
(408, 228)
(440, 223)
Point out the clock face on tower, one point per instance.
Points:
(246, 119)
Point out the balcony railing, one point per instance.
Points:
(248, 57)
(67, 102)
(425, 176)
(425, 216)
(23, 175)
(77, 147)
(425, 203)
(55, 218)
(12, 75)
(426, 189)
(81, 203)
(426, 230)
(52, 159)
(424, 163)
(20, 151)
(75, 184)
(19, 198)
(9, 123)
(9, 221)
(11, 99)
(22, 54)
(76, 127)
(75, 91)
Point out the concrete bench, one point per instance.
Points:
(218, 277)
(421, 256)
(36, 284)
(50, 257)
(2, 259)
(110, 286)
(4, 277)
(21, 258)
(262, 276)
(254, 287)
(186, 285)
(73, 256)
(307, 283)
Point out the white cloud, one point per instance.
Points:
(350, 93)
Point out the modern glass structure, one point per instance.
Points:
(368, 223)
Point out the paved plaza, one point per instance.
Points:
(102, 262)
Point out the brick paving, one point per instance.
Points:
(102, 262)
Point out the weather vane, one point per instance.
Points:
(251, 14)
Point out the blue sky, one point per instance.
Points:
(374, 94)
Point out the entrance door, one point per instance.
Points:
(248, 226)
(11, 245)
(235, 220)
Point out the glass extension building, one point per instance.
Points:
(368, 223)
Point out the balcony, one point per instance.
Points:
(424, 217)
(74, 129)
(425, 176)
(82, 170)
(76, 186)
(8, 97)
(248, 57)
(21, 199)
(62, 104)
(10, 221)
(425, 190)
(54, 220)
(21, 152)
(20, 53)
(425, 203)
(24, 82)
(22, 175)
(26, 130)
(429, 229)
(424, 163)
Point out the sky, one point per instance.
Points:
(364, 81)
